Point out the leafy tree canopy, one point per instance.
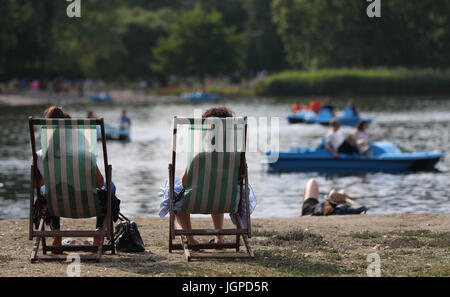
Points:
(199, 44)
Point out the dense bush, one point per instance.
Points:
(355, 82)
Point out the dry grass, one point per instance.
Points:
(408, 245)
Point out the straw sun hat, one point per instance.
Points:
(338, 196)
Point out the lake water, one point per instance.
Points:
(140, 166)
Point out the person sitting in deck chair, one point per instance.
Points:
(55, 112)
(184, 217)
(337, 202)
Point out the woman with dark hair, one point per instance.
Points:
(55, 112)
(361, 138)
(185, 218)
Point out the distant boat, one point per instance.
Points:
(385, 157)
(348, 118)
(198, 95)
(101, 97)
(113, 132)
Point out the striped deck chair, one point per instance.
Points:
(216, 168)
(69, 149)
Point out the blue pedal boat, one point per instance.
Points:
(301, 116)
(113, 132)
(101, 97)
(194, 96)
(384, 157)
(348, 118)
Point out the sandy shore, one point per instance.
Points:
(408, 245)
(28, 98)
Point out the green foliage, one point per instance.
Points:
(199, 44)
(355, 82)
(141, 39)
(323, 33)
(265, 49)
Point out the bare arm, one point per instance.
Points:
(98, 178)
(331, 150)
(183, 180)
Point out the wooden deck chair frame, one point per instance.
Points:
(239, 231)
(41, 234)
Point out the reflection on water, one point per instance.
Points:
(140, 166)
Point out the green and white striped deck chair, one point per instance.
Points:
(216, 181)
(69, 155)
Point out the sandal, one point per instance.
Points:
(214, 241)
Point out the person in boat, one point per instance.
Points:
(125, 121)
(327, 104)
(314, 105)
(361, 138)
(90, 115)
(336, 142)
(185, 218)
(296, 107)
(337, 202)
(55, 112)
(351, 104)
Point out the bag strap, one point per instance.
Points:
(122, 217)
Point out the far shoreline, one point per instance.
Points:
(45, 98)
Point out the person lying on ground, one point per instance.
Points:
(336, 202)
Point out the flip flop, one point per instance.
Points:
(213, 241)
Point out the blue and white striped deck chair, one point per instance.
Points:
(69, 154)
(216, 181)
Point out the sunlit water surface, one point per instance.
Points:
(140, 165)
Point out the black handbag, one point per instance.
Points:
(127, 238)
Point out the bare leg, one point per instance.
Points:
(311, 190)
(218, 224)
(185, 221)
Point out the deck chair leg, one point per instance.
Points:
(184, 244)
(35, 249)
(100, 248)
(247, 245)
(111, 238)
(238, 242)
(245, 238)
(44, 241)
(171, 228)
(37, 243)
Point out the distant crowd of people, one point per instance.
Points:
(58, 85)
(315, 106)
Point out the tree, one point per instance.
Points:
(199, 44)
(325, 33)
(265, 49)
